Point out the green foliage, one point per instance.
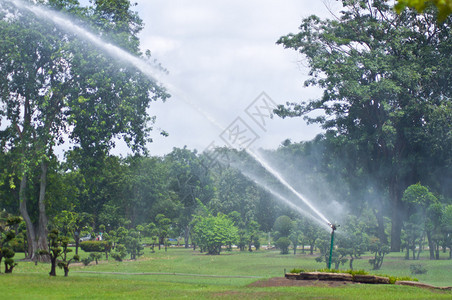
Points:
(68, 97)
(379, 250)
(17, 245)
(446, 228)
(58, 250)
(379, 133)
(394, 279)
(191, 185)
(8, 255)
(95, 256)
(95, 246)
(354, 242)
(87, 260)
(8, 227)
(212, 232)
(252, 235)
(163, 226)
(351, 272)
(133, 244)
(418, 269)
(418, 195)
(120, 252)
(283, 227)
(297, 270)
(283, 244)
(412, 235)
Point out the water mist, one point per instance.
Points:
(153, 72)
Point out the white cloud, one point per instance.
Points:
(160, 44)
(221, 55)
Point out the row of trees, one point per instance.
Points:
(249, 207)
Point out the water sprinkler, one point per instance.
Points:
(333, 227)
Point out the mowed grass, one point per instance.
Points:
(183, 273)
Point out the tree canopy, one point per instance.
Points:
(384, 76)
(58, 88)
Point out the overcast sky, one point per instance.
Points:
(221, 56)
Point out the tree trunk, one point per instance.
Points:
(421, 241)
(380, 226)
(187, 235)
(430, 245)
(77, 241)
(396, 219)
(31, 235)
(42, 226)
(9, 267)
(53, 266)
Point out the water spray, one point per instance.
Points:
(275, 174)
(333, 227)
(152, 72)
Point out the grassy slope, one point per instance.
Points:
(32, 282)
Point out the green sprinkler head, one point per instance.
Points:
(333, 226)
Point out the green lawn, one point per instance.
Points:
(176, 274)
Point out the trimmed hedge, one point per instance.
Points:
(95, 246)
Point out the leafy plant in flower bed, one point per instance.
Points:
(392, 279)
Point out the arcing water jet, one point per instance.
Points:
(269, 169)
(148, 69)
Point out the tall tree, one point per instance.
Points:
(56, 85)
(381, 74)
(191, 182)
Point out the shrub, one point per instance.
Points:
(418, 269)
(95, 246)
(380, 250)
(257, 244)
(96, 256)
(283, 244)
(8, 253)
(86, 261)
(120, 253)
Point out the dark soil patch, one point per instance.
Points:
(282, 281)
